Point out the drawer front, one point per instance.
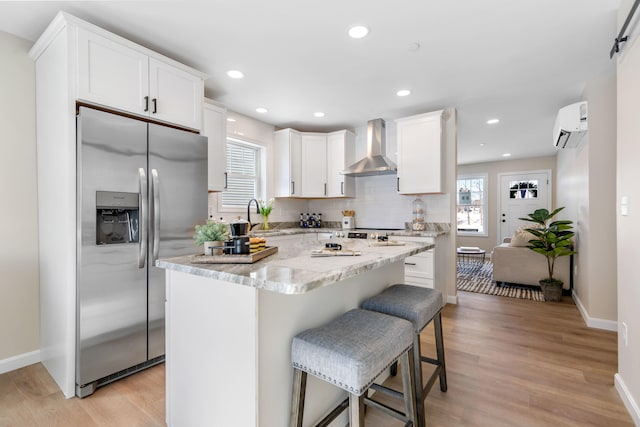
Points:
(419, 265)
(416, 281)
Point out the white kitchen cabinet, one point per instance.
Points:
(287, 173)
(314, 164)
(121, 75)
(420, 154)
(340, 154)
(309, 164)
(112, 74)
(214, 127)
(419, 269)
(76, 61)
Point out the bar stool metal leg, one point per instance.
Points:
(437, 324)
(297, 397)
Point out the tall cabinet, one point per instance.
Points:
(214, 126)
(76, 61)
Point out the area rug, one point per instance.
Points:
(473, 277)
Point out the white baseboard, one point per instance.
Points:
(594, 322)
(19, 361)
(452, 299)
(627, 399)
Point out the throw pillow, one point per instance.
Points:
(521, 237)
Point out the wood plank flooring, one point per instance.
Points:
(510, 363)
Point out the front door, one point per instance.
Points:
(520, 194)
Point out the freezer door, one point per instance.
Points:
(178, 200)
(111, 288)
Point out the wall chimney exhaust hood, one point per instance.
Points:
(376, 162)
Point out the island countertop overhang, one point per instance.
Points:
(293, 271)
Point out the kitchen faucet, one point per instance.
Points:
(249, 212)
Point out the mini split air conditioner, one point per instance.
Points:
(570, 126)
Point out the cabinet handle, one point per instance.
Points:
(398, 183)
(146, 104)
(226, 180)
(293, 187)
(409, 263)
(154, 101)
(325, 188)
(342, 188)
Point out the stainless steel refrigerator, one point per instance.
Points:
(142, 188)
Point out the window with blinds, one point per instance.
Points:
(242, 174)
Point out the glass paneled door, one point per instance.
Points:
(520, 194)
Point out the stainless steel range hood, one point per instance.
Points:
(376, 162)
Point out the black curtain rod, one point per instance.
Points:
(620, 39)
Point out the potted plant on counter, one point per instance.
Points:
(211, 235)
(265, 210)
(553, 240)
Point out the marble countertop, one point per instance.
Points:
(292, 231)
(293, 271)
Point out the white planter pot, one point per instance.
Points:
(213, 248)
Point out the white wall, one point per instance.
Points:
(586, 186)
(19, 287)
(628, 231)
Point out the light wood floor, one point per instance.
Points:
(509, 363)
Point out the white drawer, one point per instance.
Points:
(425, 283)
(419, 266)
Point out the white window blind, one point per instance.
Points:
(242, 174)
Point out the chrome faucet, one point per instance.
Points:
(249, 212)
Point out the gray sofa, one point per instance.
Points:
(521, 265)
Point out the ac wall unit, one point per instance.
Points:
(570, 126)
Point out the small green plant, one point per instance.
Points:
(265, 208)
(212, 231)
(553, 239)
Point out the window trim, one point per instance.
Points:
(485, 205)
(260, 173)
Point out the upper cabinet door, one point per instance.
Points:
(214, 127)
(287, 172)
(340, 155)
(314, 165)
(175, 96)
(420, 151)
(111, 74)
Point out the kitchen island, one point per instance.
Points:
(229, 329)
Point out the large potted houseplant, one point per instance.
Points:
(553, 240)
(211, 235)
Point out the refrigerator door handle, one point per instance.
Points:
(156, 216)
(144, 217)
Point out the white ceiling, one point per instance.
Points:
(515, 60)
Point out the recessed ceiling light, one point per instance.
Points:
(493, 121)
(403, 92)
(506, 155)
(358, 31)
(262, 110)
(482, 144)
(235, 74)
(318, 114)
(231, 119)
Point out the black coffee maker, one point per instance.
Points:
(238, 243)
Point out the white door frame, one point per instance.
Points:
(499, 193)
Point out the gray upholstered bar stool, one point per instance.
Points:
(350, 352)
(420, 306)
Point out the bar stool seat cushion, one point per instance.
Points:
(352, 350)
(414, 303)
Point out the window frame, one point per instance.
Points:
(485, 204)
(259, 173)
